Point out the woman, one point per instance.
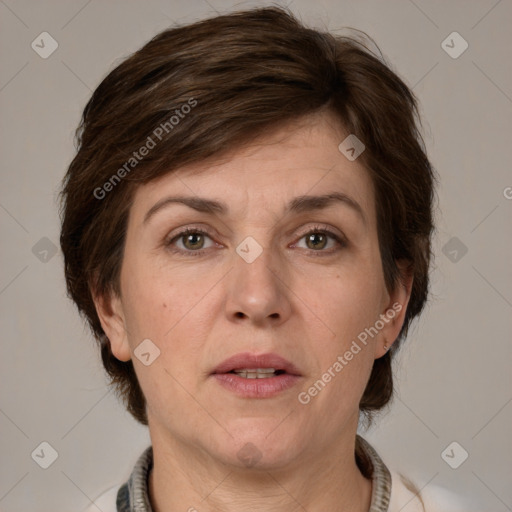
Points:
(246, 228)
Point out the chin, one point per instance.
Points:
(261, 448)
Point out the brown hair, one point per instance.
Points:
(211, 86)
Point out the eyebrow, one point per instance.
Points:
(299, 204)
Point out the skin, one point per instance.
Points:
(298, 299)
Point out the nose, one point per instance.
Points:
(257, 292)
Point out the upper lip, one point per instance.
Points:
(253, 361)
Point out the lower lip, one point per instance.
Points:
(256, 388)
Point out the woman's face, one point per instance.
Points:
(250, 280)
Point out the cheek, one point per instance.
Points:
(157, 299)
(163, 311)
(346, 303)
(175, 311)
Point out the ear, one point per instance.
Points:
(393, 314)
(111, 315)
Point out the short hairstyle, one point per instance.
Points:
(195, 91)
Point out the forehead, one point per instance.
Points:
(299, 158)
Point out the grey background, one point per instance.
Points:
(453, 375)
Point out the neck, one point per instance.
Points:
(185, 478)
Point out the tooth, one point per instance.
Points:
(261, 370)
(255, 373)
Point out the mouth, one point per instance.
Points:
(256, 376)
(257, 366)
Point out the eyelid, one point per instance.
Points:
(324, 228)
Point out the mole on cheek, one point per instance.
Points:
(165, 305)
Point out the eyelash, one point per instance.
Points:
(315, 229)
